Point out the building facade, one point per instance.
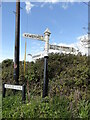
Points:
(57, 49)
(85, 44)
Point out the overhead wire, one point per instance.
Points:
(25, 45)
(22, 15)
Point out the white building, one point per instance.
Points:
(84, 45)
(57, 49)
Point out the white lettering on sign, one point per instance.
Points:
(33, 36)
(16, 87)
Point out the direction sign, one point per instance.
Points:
(16, 87)
(33, 36)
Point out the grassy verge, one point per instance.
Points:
(0, 105)
(55, 107)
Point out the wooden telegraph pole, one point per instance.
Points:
(17, 39)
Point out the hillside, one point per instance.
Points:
(69, 88)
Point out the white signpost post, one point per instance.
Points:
(45, 39)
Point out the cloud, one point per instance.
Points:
(28, 6)
(68, 45)
(55, 1)
(82, 48)
(50, 6)
(54, 43)
(51, 1)
(83, 44)
(64, 6)
(43, 4)
(78, 45)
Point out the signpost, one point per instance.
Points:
(45, 84)
(33, 36)
(45, 39)
(15, 87)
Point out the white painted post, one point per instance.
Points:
(45, 84)
(46, 39)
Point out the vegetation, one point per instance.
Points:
(68, 93)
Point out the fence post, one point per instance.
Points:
(4, 90)
(23, 93)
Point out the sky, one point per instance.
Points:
(64, 20)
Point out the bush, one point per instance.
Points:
(69, 77)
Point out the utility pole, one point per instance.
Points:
(45, 84)
(17, 40)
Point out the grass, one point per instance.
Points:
(37, 108)
(0, 105)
